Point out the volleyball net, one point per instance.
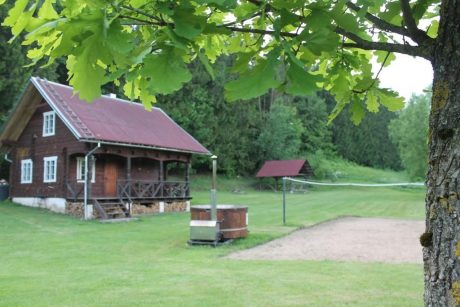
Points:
(287, 180)
(352, 184)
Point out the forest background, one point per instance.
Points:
(243, 134)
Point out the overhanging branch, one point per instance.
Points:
(421, 51)
(143, 13)
(369, 45)
(404, 49)
(415, 33)
(232, 23)
(259, 31)
(420, 37)
(140, 21)
(379, 23)
(409, 20)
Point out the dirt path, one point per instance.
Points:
(346, 239)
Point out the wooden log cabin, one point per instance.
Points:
(51, 131)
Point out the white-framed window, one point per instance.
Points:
(81, 170)
(49, 169)
(49, 123)
(26, 171)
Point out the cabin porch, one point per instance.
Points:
(120, 186)
(134, 190)
(128, 178)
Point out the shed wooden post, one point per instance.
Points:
(187, 172)
(162, 178)
(187, 178)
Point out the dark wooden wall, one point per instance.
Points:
(32, 145)
(145, 169)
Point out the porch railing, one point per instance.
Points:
(74, 189)
(145, 189)
(135, 189)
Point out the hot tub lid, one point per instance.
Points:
(226, 206)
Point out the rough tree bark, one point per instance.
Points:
(441, 240)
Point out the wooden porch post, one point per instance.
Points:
(162, 176)
(128, 168)
(128, 173)
(162, 171)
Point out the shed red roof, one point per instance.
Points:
(113, 120)
(281, 168)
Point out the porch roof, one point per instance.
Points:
(117, 121)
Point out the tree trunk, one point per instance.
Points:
(441, 240)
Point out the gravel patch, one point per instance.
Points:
(346, 239)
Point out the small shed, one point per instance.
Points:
(285, 168)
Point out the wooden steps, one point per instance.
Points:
(109, 209)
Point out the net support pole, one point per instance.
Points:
(284, 200)
(214, 189)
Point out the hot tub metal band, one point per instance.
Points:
(233, 229)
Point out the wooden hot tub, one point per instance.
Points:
(233, 219)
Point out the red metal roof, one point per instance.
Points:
(281, 168)
(114, 120)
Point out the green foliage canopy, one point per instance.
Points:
(291, 46)
(13, 74)
(409, 131)
(280, 136)
(370, 143)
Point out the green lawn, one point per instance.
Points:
(49, 259)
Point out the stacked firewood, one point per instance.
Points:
(152, 208)
(74, 209)
(175, 206)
